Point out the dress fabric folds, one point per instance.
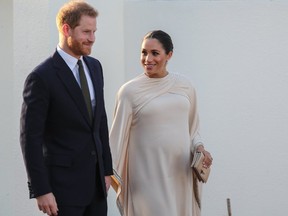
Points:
(154, 133)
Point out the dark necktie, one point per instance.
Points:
(85, 89)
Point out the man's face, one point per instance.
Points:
(82, 37)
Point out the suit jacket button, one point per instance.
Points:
(93, 153)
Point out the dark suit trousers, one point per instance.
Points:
(98, 205)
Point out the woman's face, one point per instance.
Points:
(154, 58)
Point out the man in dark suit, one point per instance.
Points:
(64, 132)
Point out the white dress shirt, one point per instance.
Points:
(72, 64)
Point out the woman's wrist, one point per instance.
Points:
(200, 148)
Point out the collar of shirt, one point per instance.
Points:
(70, 60)
(72, 64)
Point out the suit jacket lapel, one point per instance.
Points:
(69, 81)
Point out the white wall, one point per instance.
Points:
(6, 107)
(234, 51)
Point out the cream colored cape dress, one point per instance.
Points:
(153, 135)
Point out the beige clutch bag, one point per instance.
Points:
(201, 172)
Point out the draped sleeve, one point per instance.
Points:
(119, 140)
(196, 140)
(194, 126)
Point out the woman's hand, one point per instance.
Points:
(207, 162)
